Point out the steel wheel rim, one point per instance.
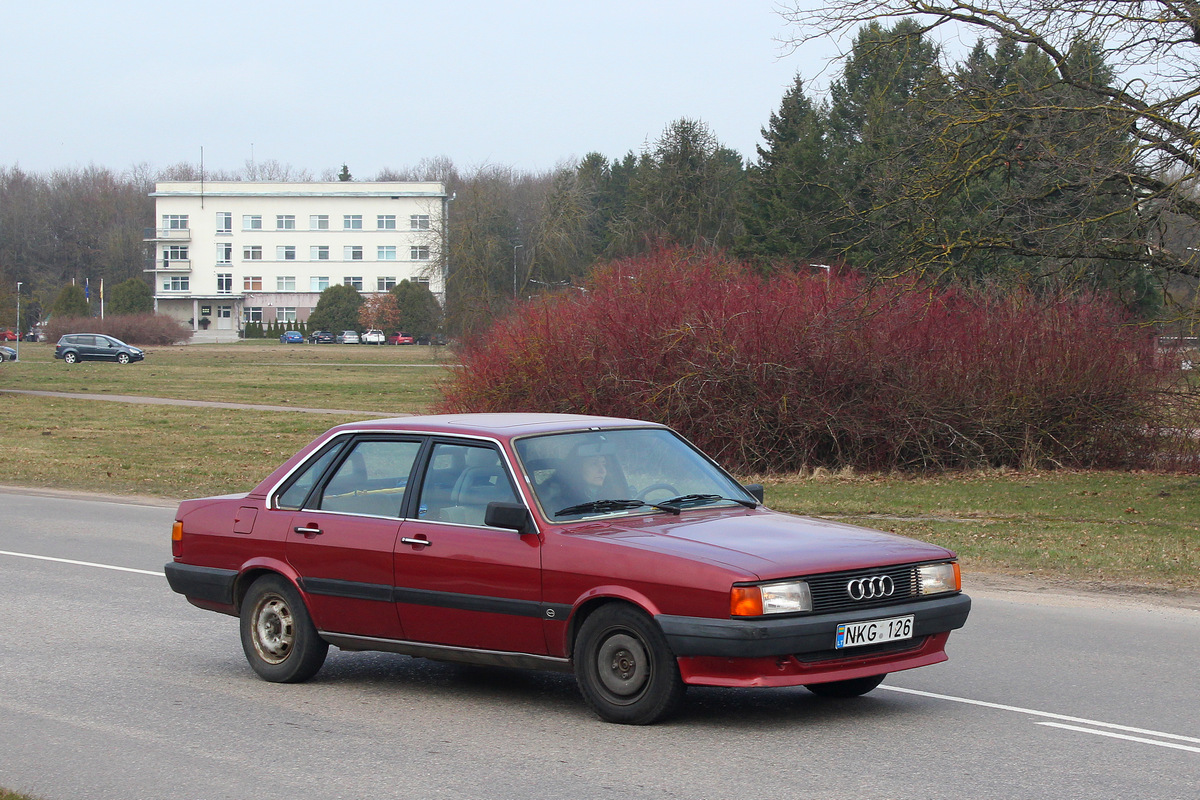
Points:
(623, 666)
(274, 629)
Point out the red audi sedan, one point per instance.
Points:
(610, 548)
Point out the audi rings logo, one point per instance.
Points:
(871, 588)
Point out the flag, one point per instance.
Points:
(87, 290)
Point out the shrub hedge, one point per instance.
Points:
(806, 370)
(138, 329)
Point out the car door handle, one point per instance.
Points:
(421, 542)
(308, 532)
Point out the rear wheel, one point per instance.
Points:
(851, 688)
(70, 358)
(278, 636)
(624, 667)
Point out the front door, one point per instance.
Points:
(224, 318)
(459, 582)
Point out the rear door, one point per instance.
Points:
(342, 536)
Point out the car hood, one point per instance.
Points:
(765, 544)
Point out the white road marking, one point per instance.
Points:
(1064, 718)
(83, 563)
(1113, 735)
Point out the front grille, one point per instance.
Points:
(829, 591)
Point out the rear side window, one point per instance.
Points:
(301, 483)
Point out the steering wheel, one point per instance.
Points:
(657, 487)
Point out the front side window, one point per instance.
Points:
(252, 222)
(352, 222)
(285, 222)
(285, 283)
(460, 482)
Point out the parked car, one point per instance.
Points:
(348, 337)
(7, 354)
(291, 337)
(321, 337)
(610, 548)
(8, 336)
(373, 337)
(96, 347)
(400, 338)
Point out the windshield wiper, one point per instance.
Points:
(699, 499)
(602, 506)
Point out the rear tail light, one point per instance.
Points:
(177, 539)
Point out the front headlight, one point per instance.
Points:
(938, 578)
(788, 597)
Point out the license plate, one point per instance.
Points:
(874, 631)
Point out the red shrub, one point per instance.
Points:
(137, 329)
(816, 370)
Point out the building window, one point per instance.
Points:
(418, 252)
(352, 253)
(386, 222)
(352, 222)
(285, 314)
(252, 313)
(420, 281)
(356, 282)
(251, 253)
(385, 284)
(285, 222)
(386, 252)
(285, 283)
(224, 283)
(224, 252)
(224, 222)
(252, 222)
(175, 252)
(318, 222)
(252, 283)
(318, 284)
(318, 252)
(285, 252)
(174, 222)
(176, 283)
(418, 222)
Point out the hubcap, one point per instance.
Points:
(274, 629)
(623, 666)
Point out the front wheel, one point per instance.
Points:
(843, 689)
(123, 358)
(278, 636)
(625, 669)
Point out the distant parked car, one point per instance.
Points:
(95, 347)
(373, 337)
(348, 337)
(291, 337)
(7, 336)
(321, 337)
(400, 338)
(8, 354)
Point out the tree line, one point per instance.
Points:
(1030, 162)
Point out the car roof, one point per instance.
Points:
(495, 425)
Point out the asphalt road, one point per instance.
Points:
(111, 686)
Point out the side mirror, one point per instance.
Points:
(513, 516)
(756, 491)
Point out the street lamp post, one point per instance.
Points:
(18, 342)
(515, 248)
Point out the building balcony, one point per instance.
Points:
(179, 265)
(166, 235)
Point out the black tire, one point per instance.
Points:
(70, 358)
(122, 358)
(843, 689)
(624, 667)
(278, 636)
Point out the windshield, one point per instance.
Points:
(626, 471)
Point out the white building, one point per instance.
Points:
(234, 252)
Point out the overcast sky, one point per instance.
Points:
(376, 84)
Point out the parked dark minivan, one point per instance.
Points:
(95, 347)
